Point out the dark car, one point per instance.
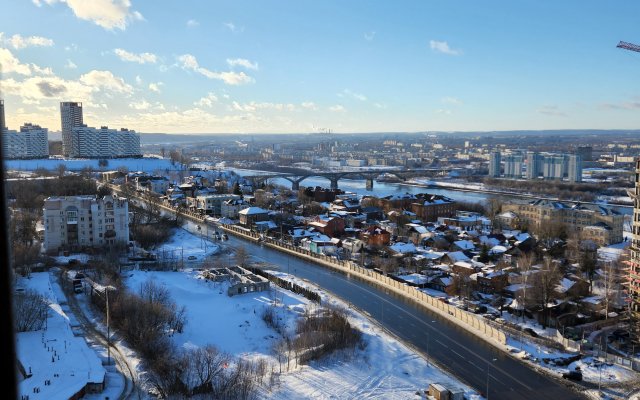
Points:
(478, 309)
(573, 375)
(531, 332)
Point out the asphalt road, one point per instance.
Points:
(467, 357)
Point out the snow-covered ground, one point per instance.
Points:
(54, 354)
(186, 246)
(384, 369)
(132, 164)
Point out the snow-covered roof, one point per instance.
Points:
(403, 248)
(497, 249)
(464, 244)
(253, 211)
(456, 256)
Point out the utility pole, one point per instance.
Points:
(106, 292)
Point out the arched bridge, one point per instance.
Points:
(368, 175)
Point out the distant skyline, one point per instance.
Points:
(304, 66)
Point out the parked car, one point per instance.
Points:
(192, 258)
(478, 309)
(531, 332)
(225, 237)
(573, 375)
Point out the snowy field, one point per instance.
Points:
(54, 354)
(385, 369)
(186, 246)
(132, 164)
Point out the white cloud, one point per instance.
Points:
(155, 87)
(206, 101)
(9, 63)
(108, 14)
(357, 96)
(145, 105)
(443, 47)
(192, 23)
(20, 42)
(242, 62)
(255, 106)
(70, 65)
(138, 80)
(551, 110)
(379, 105)
(140, 58)
(140, 105)
(309, 105)
(105, 80)
(189, 62)
(451, 100)
(370, 35)
(443, 111)
(233, 28)
(337, 108)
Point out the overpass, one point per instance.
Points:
(368, 175)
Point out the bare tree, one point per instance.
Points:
(30, 310)
(241, 257)
(544, 284)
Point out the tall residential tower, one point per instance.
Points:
(71, 117)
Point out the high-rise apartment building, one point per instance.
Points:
(494, 164)
(534, 165)
(633, 283)
(585, 153)
(71, 117)
(574, 168)
(513, 166)
(554, 166)
(89, 142)
(2, 123)
(85, 221)
(30, 142)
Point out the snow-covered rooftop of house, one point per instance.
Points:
(489, 242)
(498, 249)
(464, 244)
(403, 248)
(418, 279)
(564, 285)
(253, 211)
(456, 256)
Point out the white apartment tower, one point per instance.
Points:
(494, 164)
(71, 117)
(513, 166)
(77, 222)
(534, 165)
(30, 142)
(574, 168)
(89, 142)
(554, 166)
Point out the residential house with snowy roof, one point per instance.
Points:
(249, 216)
(375, 236)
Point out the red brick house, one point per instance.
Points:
(375, 236)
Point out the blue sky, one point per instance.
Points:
(303, 66)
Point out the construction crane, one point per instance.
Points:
(629, 46)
